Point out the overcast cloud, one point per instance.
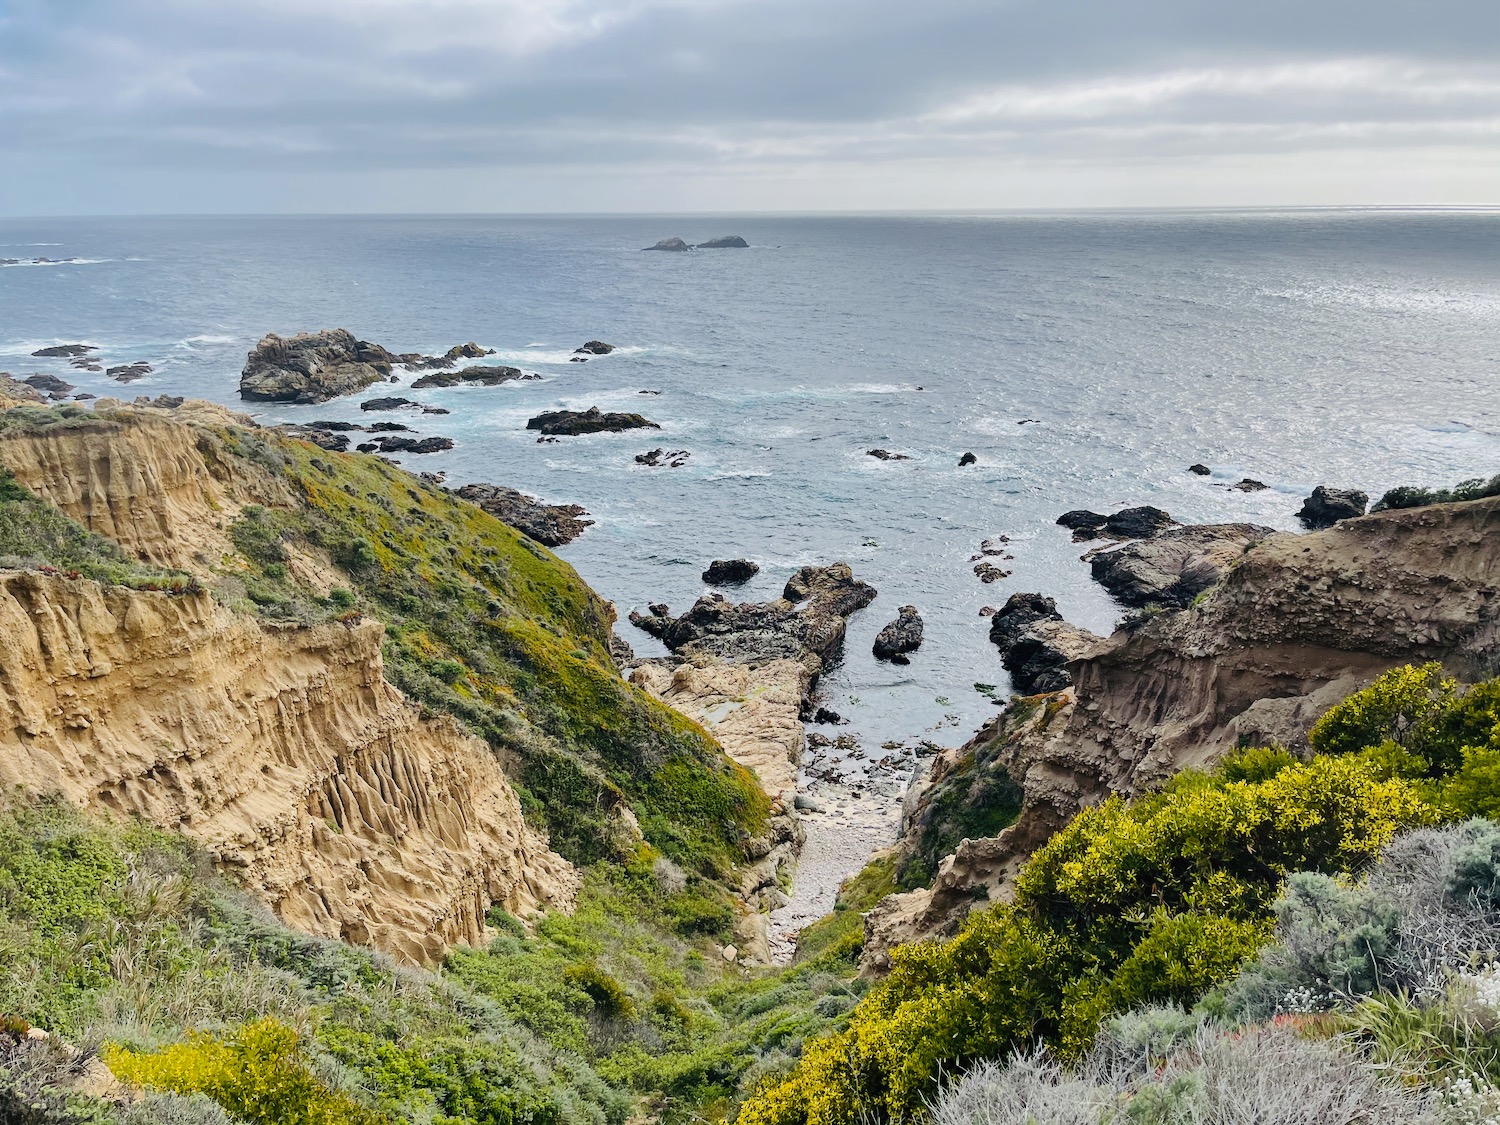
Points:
(498, 105)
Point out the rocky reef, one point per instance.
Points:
(317, 366)
(552, 525)
(571, 423)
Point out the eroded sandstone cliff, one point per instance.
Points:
(1299, 622)
(281, 749)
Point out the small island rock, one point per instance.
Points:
(594, 347)
(675, 244)
(1326, 506)
(730, 572)
(900, 637)
(571, 423)
(726, 242)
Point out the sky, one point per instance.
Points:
(259, 106)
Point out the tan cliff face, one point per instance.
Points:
(1297, 624)
(282, 750)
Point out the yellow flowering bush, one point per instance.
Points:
(256, 1073)
(1131, 903)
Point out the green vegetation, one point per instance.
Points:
(1410, 496)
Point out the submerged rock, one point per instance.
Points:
(1249, 485)
(1173, 568)
(1036, 644)
(674, 244)
(658, 458)
(900, 637)
(64, 351)
(129, 372)
(482, 376)
(887, 455)
(730, 572)
(551, 525)
(1327, 506)
(392, 404)
(570, 423)
(726, 242)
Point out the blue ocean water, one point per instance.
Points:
(1085, 359)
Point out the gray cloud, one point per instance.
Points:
(452, 104)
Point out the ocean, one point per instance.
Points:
(1084, 359)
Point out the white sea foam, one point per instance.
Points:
(69, 262)
(206, 339)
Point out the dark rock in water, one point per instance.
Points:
(129, 372)
(808, 623)
(578, 359)
(1248, 485)
(481, 376)
(381, 428)
(661, 609)
(648, 392)
(987, 611)
(570, 423)
(730, 572)
(1173, 568)
(826, 716)
(727, 242)
(659, 458)
(64, 351)
(1326, 506)
(388, 404)
(419, 362)
(1036, 644)
(1081, 519)
(552, 525)
(619, 650)
(367, 447)
(434, 410)
(86, 363)
(594, 347)
(901, 636)
(1138, 523)
(48, 384)
(312, 367)
(341, 427)
(967, 459)
(415, 445)
(432, 478)
(988, 572)
(670, 244)
(1200, 470)
(887, 455)
(85, 397)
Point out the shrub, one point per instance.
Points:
(256, 1073)
(1401, 706)
(1410, 496)
(1149, 900)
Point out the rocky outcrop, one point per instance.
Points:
(594, 347)
(670, 244)
(318, 366)
(312, 367)
(807, 622)
(391, 444)
(48, 384)
(726, 242)
(471, 376)
(900, 637)
(661, 458)
(552, 525)
(1036, 645)
(1299, 623)
(730, 572)
(570, 423)
(1174, 567)
(967, 459)
(64, 351)
(887, 455)
(1326, 506)
(1129, 523)
(282, 750)
(129, 372)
